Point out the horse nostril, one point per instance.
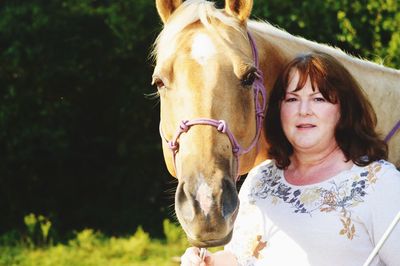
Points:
(184, 202)
(229, 198)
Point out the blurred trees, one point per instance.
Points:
(79, 140)
(366, 28)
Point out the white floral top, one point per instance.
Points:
(336, 222)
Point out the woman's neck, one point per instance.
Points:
(309, 168)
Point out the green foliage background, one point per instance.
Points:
(79, 140)
(92, 248)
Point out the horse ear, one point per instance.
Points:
(165, 8)
(240, 9)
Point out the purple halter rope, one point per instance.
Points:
(221, 125)
(391, 133)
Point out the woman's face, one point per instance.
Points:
(308, 119)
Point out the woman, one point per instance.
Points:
(328, 195)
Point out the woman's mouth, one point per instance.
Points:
(305, 126)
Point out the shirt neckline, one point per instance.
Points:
(354, 169)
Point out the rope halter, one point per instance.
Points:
(222, 125)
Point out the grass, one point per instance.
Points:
(90, 248)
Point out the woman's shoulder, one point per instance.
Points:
(379, 168)
(266, 170)
(388, 172)
(267, 165)
(382, 176)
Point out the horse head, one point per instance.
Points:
(211, 114)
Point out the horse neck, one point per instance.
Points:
(288, 46)
(379, 82)
(269, 56)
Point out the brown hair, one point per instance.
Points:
(355, 131)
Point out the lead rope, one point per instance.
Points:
(382, 240)
(391, 133)
(203, 252)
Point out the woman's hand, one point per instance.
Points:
(192, 258)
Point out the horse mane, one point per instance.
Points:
(188, 13)
(191, 11)
(270, 32)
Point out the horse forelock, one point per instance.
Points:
(190, 12)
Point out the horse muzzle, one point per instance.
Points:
(207, 209)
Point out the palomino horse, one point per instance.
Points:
(210, 68)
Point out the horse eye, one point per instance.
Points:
(158, 82)
(249, 79)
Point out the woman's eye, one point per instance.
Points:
(319, 99)
(249, 79)
(290, 99)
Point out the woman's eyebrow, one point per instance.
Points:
(296, 94)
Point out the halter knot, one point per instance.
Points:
(222, 127)
(260, 113)
(235, 150)
(183, 126)
(259, 75)
(173, 146)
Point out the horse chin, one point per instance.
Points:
(215, 238)
(211, 242)
(207, 212)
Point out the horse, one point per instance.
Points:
(214, 70)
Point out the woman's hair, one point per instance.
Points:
(355, 131)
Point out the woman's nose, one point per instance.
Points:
(305, 108)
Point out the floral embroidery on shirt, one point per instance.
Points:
(372, 170)
(259, 246)
(248, 249)
(338, 196)
(348, 227)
